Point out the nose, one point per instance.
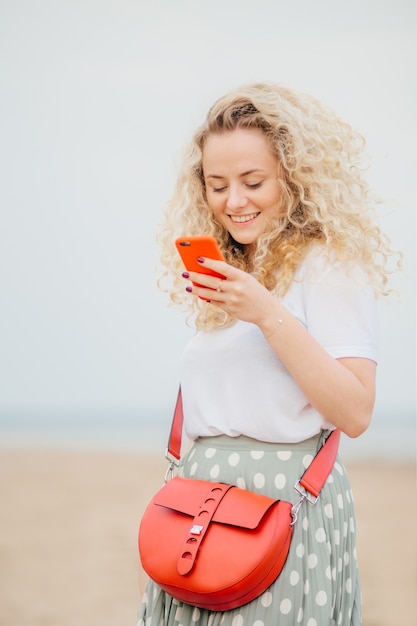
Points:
(236, 198)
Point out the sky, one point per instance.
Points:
(97, 100)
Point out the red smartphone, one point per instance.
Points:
(190, 248)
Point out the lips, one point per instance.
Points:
(242, 219)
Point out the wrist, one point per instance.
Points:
(273, 322)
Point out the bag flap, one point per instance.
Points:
(237, 508)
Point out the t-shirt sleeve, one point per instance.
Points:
(341, 311)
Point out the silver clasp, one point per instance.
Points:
(304, 495)
(296, 507)
(173, 462)
(303, 492)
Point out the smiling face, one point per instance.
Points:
(241, 177)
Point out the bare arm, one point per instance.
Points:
(342, 390)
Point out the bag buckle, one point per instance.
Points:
(296, 507)
(306, 495)
(173, 462)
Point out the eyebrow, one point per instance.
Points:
(254, 171)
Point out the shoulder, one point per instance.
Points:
(322, 265)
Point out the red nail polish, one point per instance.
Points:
(185, 275)
(189, 289)
(200, 259)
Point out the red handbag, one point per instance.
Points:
(217, 546)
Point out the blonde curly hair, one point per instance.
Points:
(325, 197)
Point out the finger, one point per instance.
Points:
(220, 267)
(206, 280)
(212, 284)
(205, 293)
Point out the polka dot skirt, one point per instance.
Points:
(319, 584)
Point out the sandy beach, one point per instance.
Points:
(69, 519)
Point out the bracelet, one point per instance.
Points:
(280, 321)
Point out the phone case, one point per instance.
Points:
(190, 248)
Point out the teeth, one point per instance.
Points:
(243, 218)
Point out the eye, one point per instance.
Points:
(253, 185)
(218, 189)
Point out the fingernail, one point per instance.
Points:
(200, 259)
(185, 275)
(189, 289)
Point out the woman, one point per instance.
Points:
(286, 344)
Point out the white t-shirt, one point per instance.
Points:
(234, 384)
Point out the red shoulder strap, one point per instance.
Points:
(175, 436)
(320, 467)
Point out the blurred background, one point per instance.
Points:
(97, 99)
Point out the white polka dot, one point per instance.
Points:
(345, 529)
(328, 572)
(257, 454)
(196, 615)
(240, 482)
(352, 525)
(280, 481)
(339, 565)
(215, 471)
(210, 452)
(234, 459)
(285, 606)
(334, 573)
(340, 619)
(339, 468)
(337, 537)
(348, 585)
(300, 616)
(348, 495)
(312, 622)
(305, 523)
(307, 460)
(320, 535)
(339, 501)
(259, 480)
(299, 551)
(294, 578)
(330, 479)
(284, 455)
(328, 511)
(306, 587)
(191, 455)
(237, 620)
(312, 561)
(321, 598)
(266, 599)
(193, 469)
(259, 623)
(346, 558)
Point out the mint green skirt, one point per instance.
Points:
(319, 584)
